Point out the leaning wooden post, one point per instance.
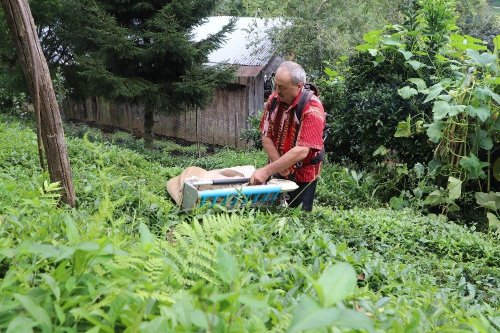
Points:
(49, 123)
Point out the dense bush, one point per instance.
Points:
(368, 120)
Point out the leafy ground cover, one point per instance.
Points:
(126, 259)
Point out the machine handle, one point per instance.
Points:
(227, 181)
(230, 181)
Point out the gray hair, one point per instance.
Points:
(296, 71)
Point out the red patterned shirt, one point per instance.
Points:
(282, 125)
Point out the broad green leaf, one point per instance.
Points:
(53, 285)
(489, 200)
(373, 52)
(434, 131)
(88, 247)
(456, 109)
(21, 324)
(147, 238)
(419, 83)
(404, 129)
(253, 302)
(473, 166)
(394, 40)
(227, 266)
(436, 197)
(454, 188)
(483, 59)
(48, 251)
(482, 139)
(37, 312)
(441, 58)
(158, 324)
(354, 320)
(398, 203)
(72, 233)
(364, 47)
(372, 37)
(484, 92)
(489, 205)
(415, 64)
(61, 316)
(482, 112)
(336, 283)
(70, 284)
(493, 81)
(434, 92)
(309, 315)
(440, 109)
(493, 222)
(331, 73)
(407, 92)
(465, 42)
(406, 54)
(419, 169)
(444, 97)
(453, 207)
(380, 151)
(462, 38)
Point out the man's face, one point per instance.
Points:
(287, 91)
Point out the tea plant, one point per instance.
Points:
(126, 259)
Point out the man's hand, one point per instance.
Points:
(259, 177)
(283, 165)
(286, 172)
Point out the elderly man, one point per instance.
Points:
(294, 146)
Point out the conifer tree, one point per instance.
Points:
(142, 52)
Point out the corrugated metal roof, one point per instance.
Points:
(248, 45)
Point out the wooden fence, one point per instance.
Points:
(220, 123)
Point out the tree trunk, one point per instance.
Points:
(148, 125)
(23, 33)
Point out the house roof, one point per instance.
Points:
(248, 45)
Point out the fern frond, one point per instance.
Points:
(158, 296)
(193, 252)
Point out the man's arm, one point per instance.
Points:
(270, 149)
(289, 159)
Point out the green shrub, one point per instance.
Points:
(251, 135)
(368, 120)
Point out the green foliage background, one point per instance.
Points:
(128, 260)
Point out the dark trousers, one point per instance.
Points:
(303, 195)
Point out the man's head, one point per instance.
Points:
(289, 80)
